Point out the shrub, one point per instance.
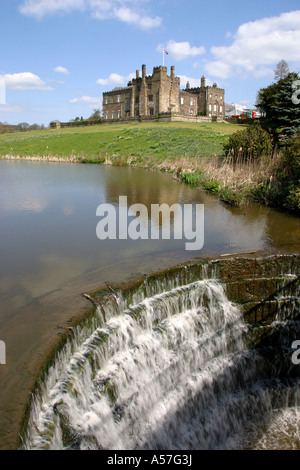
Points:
(232, 196)
(289, 164)
(251, 143)
(293, 200)
(193, 179)
(212, 185)
(269, 195)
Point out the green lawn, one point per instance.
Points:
(138, 141)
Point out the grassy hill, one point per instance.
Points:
(156, 141)
(193, 152)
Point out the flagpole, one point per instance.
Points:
(164, 52)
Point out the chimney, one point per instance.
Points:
(173, 72)
(137, 74)
(143, 71)
(203, 81)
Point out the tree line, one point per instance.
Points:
(21, 127)
(274, 138)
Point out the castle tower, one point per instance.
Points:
(143, 94)
(159, 93)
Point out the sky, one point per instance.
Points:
(59, 56)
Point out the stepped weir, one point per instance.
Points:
(199, 356)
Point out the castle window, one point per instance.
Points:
(137, 100)
(113, 115)
(150, 111)
(191, 101)
(216, 97)
(221, 109)
(107, 115)
(209, 108)
(149, 86)
(215, 108)
(119, 113)
(182, 100)
(150, 97)
(191, 112)
(118, 99)
(106, 100)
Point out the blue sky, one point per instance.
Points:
(58, 56)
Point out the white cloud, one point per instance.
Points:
(218, 68)
(10, 108)
(86, 99)
(41, 8)
(127, 15)
(62, 70)
(181, 50)
(128, 11)
(24, 81)
(115, 79)
(235, 106)
(257, 45)
(263, 72)
(194, 82)
(58, 82)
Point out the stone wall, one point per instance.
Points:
(116, 104)
(151, 95)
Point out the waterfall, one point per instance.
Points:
(167, 370)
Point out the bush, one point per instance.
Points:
(211, 185)
(193, 179)
(252, 143)
(232, 196)
(289, 164)
(269, 195)
(293, 200)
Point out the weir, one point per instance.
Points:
(194, 357)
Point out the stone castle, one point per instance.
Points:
(159, 96)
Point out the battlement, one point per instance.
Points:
(148, 96)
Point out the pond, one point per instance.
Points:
(50, 252)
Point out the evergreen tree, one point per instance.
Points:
(286, 114)
(280, 115)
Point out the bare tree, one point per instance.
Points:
(96, 115)
(281, 71)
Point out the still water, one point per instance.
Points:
(50, 252)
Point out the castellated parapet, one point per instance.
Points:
(159, 96)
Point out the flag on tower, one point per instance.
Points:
(164, 52)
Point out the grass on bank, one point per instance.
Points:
(136, 142)
(193, 152)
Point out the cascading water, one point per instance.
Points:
(170, 371)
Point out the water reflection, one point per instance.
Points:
(50, 252)
(48, 223)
